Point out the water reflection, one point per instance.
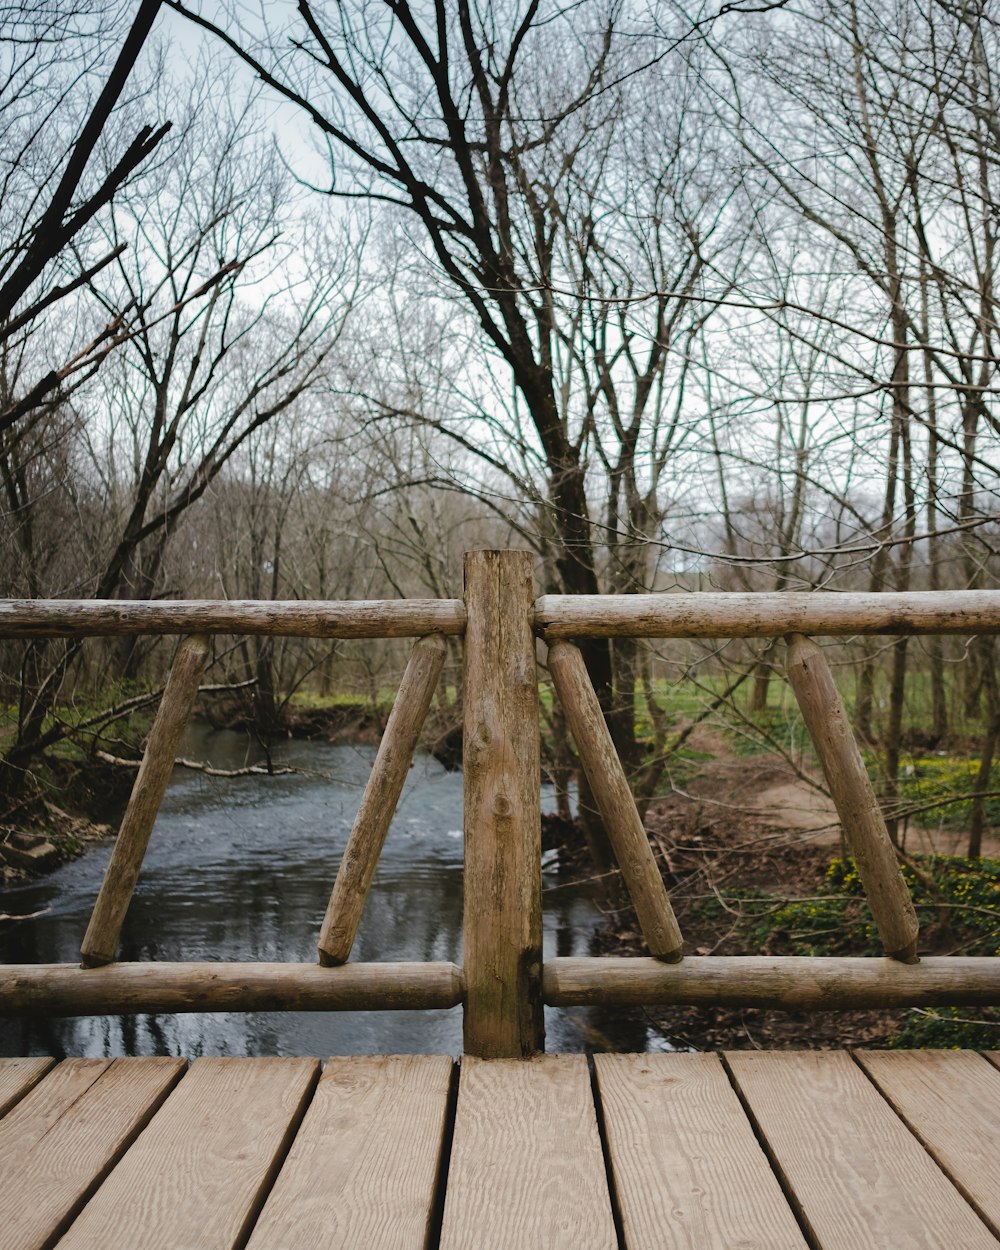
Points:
(242, 870)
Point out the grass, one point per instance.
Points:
(930, 779)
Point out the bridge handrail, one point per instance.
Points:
(503, 985)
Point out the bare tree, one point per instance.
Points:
(55, 180)
(502, 136)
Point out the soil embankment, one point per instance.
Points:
(740, 839)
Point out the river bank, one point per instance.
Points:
(61, 810)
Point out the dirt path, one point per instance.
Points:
(765, 790)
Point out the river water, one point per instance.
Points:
(241, 869)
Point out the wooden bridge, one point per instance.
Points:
(510, 1147)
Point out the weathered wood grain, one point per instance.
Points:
(363, 1170)
(100, 942)
(527, 1171)
(610, 788)
(199, 1172)
(951, 1100)
(860, 1179)
(860, 815)
(795, 982)
(378, 803)
(688, 1170)
(503, 836)
(17, 1076)
(67, 990)
(704, 614)
(62, 1139)
(359, 618)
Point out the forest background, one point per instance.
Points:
(302, 302)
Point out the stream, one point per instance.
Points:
(241, 869)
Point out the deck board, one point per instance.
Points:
(195, 1178)
(527, 1170)
(951, 1101)
(688, 1170)
(861, 1180)
(763, 1151)
(64, 1136)
(363, 1171)
(17, 1076)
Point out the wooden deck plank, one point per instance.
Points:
(686, 1165)
(527, 1171)
(860, 1179)
(17, 1076)
(66, 1134)
(951, 1100)
(196, 1177)
(363, 1170)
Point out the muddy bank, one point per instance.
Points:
(732, 859)
(52, 824)
(43, 839)
(340, 722)
(739, 843)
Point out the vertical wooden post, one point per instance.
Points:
(503, 895)
(860, 815)
(101, 941)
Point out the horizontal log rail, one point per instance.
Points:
(107, 618)
(694, 614)
(703, 614)
(66, 990)
(503, 983)
(789, 982)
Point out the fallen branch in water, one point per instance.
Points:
(251, 770)
(31, 915)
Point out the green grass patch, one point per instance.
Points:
(939, 779)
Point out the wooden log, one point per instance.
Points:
(791, 982)
(372, 618)
(764, 615)
(610, 788)
(378, 803)
(67, 990)
(101, 940)
(860, 815)
(503, 908)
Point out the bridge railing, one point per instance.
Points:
(502, 983)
